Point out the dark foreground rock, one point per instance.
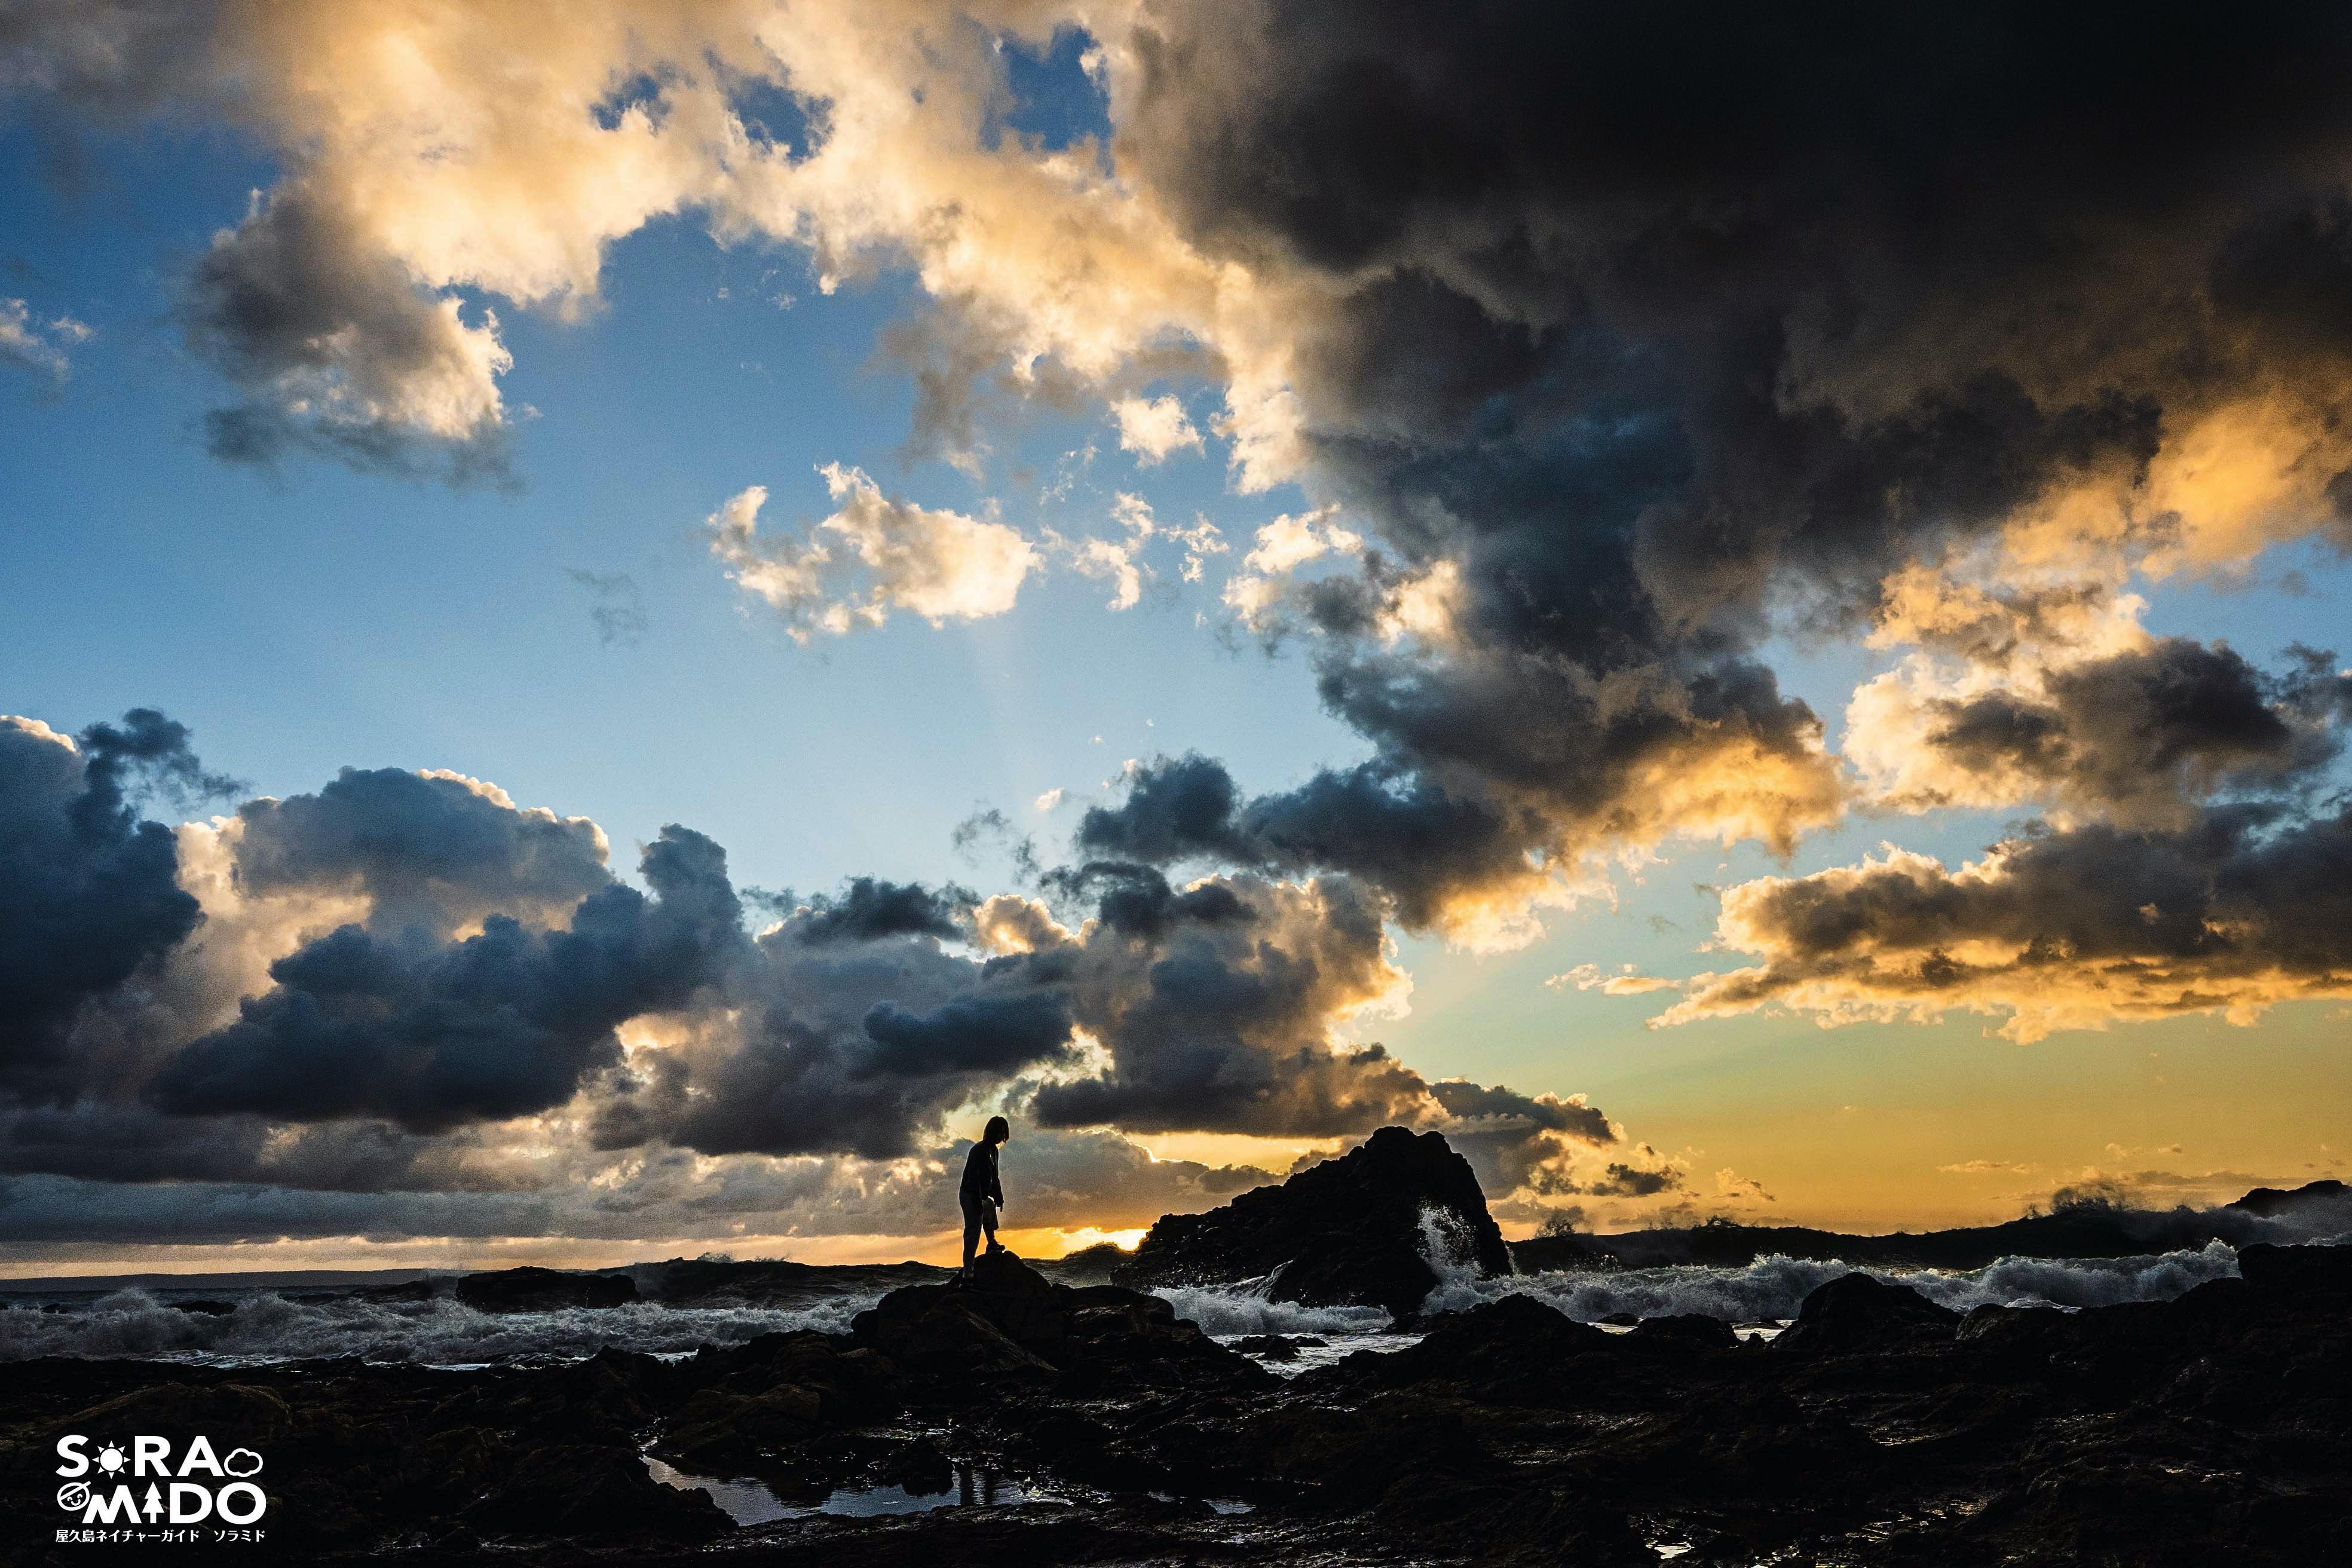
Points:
(1347, 1231)
(1007, 1327)
(1881, 1430)
(1861, 1313)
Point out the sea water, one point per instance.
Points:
(267, 1326)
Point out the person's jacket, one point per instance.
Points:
(980, 1175)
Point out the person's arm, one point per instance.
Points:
(995, 1186)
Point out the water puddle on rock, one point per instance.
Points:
(1324, 1349)
(749, 1502)
(1222, 1506)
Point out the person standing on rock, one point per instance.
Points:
(982, 1194)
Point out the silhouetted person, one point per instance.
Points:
(982, 1194)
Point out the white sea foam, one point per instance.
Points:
(266, 1327)
(1245, 1307)
(439, 1333)
(1775, 1286)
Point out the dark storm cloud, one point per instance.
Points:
(853, 1031)
(1216, 1003)
(88, 890)
(870, 908)
(431, 852)
(1482, 761)
(495, 959)
(971, 1034)
(1654, 324)
(1175, 809)
(2147, 734)
(103, 1140)
(37, 1213)
(2248, 905)
(1517, 1140)
(340, 352)
(1622, 1181)
(1222, 1006)
(503, 1024)
(1397, 830)
(1064, 1179)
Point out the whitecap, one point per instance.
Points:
(439, 1332)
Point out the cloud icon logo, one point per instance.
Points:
(73, 1495)
(250, 1464)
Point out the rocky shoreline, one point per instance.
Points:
(1880, 1428)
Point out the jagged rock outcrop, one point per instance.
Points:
(543, 1290)
(1006, 1324)
(1346, 1232)
(2325, 1194)
(1856, 1312)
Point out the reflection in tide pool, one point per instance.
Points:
(744, 1502)
(749, 1502)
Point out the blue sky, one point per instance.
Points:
(308, 616)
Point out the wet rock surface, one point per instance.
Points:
(1346, 1232)
(1858, 1312)
(1880, 1429)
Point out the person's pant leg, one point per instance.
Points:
(975, 1215)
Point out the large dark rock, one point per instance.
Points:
(2273, 1202)
(853, 1383)
(1006, 1324)
(1685, 1331)
(1514, 1351)
(543, 1290)
(1856, 1312)
(2298, 1271)
(1346, 1232)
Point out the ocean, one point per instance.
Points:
(264, 1325)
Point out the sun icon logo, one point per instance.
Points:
(111, 1459)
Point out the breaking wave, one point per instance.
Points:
(438, 1332)
(443, 1331)
(1225, 1310)
(1773, 1288)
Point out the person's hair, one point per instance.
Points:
(998, 1130)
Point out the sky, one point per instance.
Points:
(620, 629)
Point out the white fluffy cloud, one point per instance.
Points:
(871, 556)
(1154, 430)
(438, 151)
(37, 345)
(1258, 592)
